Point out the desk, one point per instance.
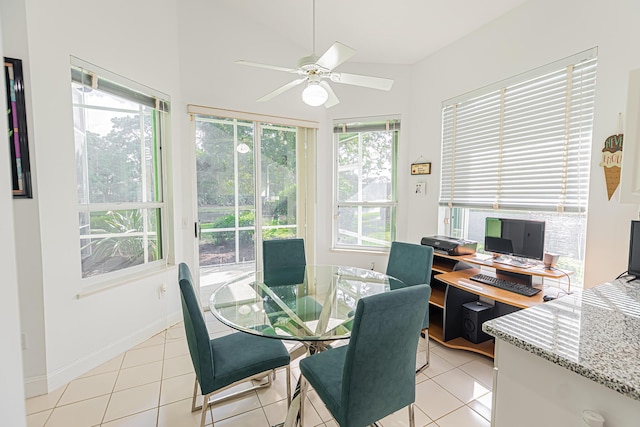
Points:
(318, 307)
(451, 289)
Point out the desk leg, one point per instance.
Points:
(293, 414)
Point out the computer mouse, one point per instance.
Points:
(548, 298)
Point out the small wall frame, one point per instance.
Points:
(17, 123)
(422, 168)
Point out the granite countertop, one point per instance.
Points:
(594, 333)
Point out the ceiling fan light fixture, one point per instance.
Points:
(314, 94)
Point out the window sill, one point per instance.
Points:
(383, 251)
(100, 284)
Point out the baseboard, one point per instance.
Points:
(83, 365)
(35, 386)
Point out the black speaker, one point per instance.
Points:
(474, 314)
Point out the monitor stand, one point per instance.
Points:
(515, 262)
(525, 279)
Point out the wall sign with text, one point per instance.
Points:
(421, 168)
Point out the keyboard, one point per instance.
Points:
(518, 288)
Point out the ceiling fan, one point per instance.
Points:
(316, 72)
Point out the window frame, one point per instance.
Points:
(97, 78)
(362, 125)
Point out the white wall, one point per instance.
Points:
(535, 34)
(11, 389)
(138, 40)
(28, 249)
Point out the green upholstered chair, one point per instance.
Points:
(284, 264)
(373, 376)
(411, 264)
(222, 363)
(283, 261)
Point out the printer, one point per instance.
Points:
(450, 245)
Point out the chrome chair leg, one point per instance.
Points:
(426, 365)
(303, 396)
(288, 379)
(412, 419)
(195, 393)
(426, 337)
(205, 408)
(207, 401)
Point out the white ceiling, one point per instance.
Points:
(381, 31)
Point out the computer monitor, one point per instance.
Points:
(516, 237)
(634, 250)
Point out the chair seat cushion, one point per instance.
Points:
(324, 373)
(241, 355)
(307, 308)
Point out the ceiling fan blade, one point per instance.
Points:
(360, 80)
(281, 89)
(333, 99)
(269, 67)
(335, 55)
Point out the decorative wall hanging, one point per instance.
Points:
(612, 162)
(421, 167)
(18, 142)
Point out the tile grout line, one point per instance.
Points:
(112, 389)
(55, 405)
(164, 350)
(102, 421)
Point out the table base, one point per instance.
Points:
(293, 414)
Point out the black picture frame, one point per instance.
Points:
(17, 121)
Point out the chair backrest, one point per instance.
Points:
(379, 374)
(283, 261)
(410, 263)
(196, 329)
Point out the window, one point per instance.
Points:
(118, 128)
(365, 183)
(521, 149)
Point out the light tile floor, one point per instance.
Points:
(151, 385)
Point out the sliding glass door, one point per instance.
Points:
(247, 191)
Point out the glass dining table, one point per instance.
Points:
(313, 305)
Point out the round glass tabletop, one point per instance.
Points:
(311, 303)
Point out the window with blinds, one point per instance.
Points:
(522, 144)
(365, 183)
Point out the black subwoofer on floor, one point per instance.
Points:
(474, 314)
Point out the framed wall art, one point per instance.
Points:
(17, 121)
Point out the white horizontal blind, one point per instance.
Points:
(94, 77)
(522, 146)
